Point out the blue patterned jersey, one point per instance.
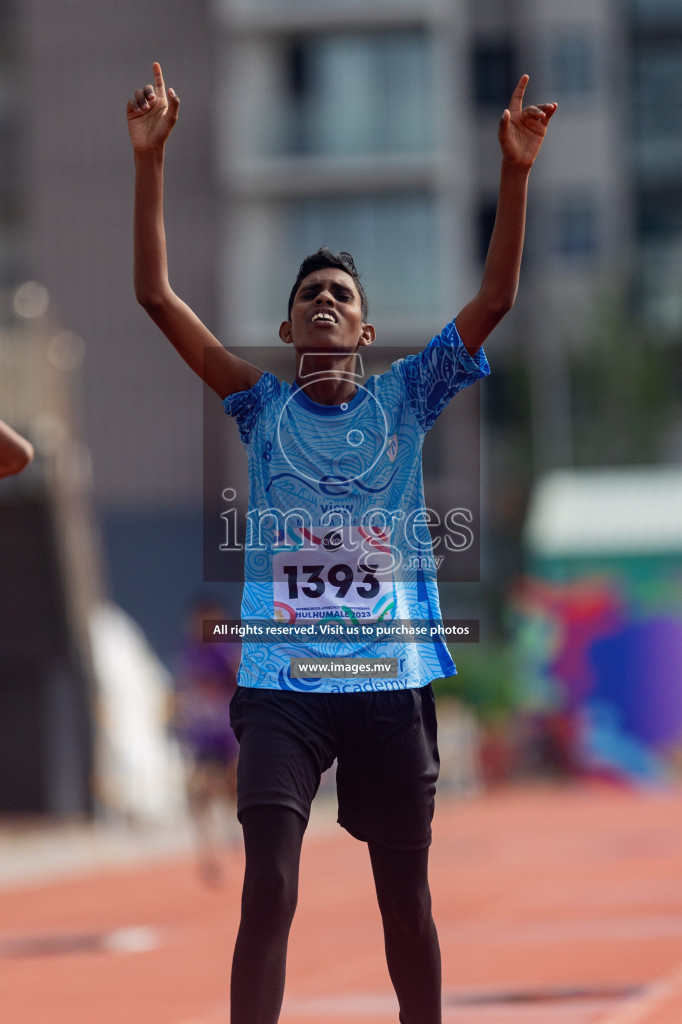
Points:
(337, 531)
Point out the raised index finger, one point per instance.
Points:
(516, 102)
(159, 86)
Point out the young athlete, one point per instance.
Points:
(345, 457)
(15, 451)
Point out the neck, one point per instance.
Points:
(327, 377)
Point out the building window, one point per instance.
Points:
(577, 228)
(573, 64)
(659, 213)
(658, 110)
(656, 13)
(344, 5)
(393, 238)
(345, 95)
(494, 73)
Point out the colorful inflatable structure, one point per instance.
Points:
(598, 620)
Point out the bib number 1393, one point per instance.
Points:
(334, 581)
(334, 576)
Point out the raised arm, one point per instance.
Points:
(521, 134)
(15, 451)
(151, 116)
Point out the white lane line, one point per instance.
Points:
(622, 929)
(656, 998)
(218, 1015)
(366, 1006)
(133, 939)
(374, 1005)
(138, 939)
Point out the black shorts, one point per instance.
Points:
(386, 748)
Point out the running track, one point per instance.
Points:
(554, 906)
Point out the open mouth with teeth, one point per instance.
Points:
(323, 317)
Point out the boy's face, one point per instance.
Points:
(326, 314)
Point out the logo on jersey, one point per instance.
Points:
(392, 447)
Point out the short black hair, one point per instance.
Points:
(324, 257)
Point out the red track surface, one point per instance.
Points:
(554, 906)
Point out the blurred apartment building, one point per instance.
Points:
(365, 126)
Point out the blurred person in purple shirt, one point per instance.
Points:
(205, 679)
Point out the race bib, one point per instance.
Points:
(338, 575)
